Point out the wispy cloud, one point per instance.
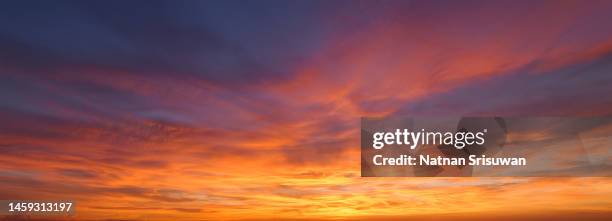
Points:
(219, 110)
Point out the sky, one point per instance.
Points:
(249, 110)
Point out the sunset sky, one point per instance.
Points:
(249, 110)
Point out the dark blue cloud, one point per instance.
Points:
(229, 42)
(580, 88)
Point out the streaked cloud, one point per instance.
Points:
(249, 110)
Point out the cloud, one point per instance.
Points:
(219, 110)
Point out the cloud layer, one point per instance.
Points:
(250, 110)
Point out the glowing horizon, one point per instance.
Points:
(229, 111)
